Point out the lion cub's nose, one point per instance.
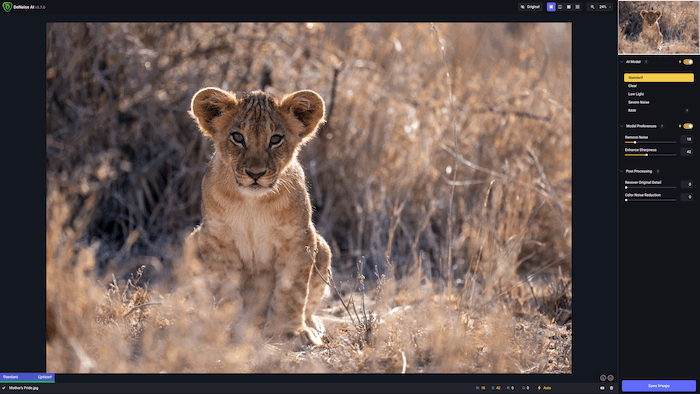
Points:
(255, 175)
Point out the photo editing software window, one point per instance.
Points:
(263, 199)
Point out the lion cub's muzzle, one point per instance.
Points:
(256, 179)
(256, 175)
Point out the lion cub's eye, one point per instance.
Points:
(275, 140)
(238, 138)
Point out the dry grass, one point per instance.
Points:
(678, 24)
(459, 209)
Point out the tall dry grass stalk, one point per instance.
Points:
(455, 194)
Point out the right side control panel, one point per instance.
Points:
(658, 116)
(659, 217)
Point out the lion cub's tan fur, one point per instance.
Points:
(650, 28)
(251, 247)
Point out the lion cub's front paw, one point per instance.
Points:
(309, 336)
(306, 335)
(316, 323)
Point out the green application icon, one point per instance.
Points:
(7, 6)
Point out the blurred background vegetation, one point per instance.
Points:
(446, 157)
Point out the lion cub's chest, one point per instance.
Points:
(252, 235)
(651, 30)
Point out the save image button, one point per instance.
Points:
(658, 386)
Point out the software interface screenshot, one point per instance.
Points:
(487, 197)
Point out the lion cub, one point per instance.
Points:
(251, 246)
(650, 28)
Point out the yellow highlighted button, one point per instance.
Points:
(659, 77)
(687, 126)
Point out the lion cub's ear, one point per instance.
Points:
(658, 14)
(307, 107)
(643, 13)
(208, 104)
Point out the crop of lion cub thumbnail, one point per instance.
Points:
(441, 180)
(678, 25)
